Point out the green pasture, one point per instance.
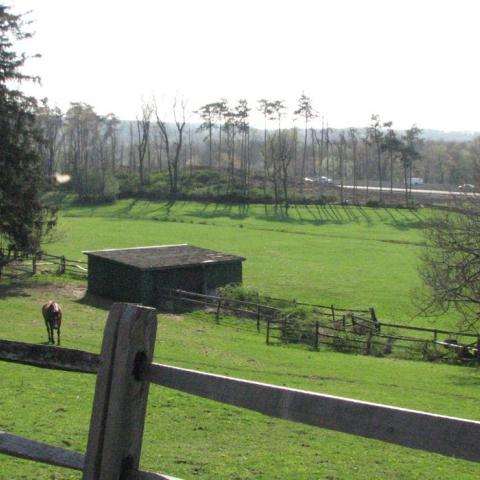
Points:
(194, 438)
(346, 256)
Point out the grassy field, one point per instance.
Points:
(195, 438)
(346, 256)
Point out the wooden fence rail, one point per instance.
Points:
(125, 370)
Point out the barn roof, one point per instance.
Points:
(164, 257)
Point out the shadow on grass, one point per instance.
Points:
(16, 289)
(96, 301)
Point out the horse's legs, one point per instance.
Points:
(58, 336)
(48, 330)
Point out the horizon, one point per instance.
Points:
(349, 58)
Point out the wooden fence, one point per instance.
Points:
(45, 261)
(125, 370)
(261, 313)
(63, 264)
(363, 335)
(339, 328)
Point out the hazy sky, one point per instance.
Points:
(409, 61)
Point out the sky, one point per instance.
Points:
(411, 62)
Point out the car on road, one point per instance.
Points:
(324, 180)
(466, 187)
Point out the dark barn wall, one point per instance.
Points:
(128, 284)
(113, 280)
(222, 274)
(200, 279)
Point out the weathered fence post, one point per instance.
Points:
(478, 350)
(34, 263)
(258, 318)
(63, 265)
(368, 347)
(119, 405)
(317, 332)
(333, 312)
(268, 331)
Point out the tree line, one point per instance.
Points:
(278, 159)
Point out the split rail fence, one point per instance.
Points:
(342, 329)
(45, 261)
(124, 371)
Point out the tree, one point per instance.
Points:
(207, 113)
(173, 143)
(391, 144)
(451, 262)
(143, 131)
(266, 108)
(50, 121)
(408, 154)
(242, 111)
(306, 110)
(278, 110)
(375, 134)
(24, 220)
(352, 133)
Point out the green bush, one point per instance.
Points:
(97, 188)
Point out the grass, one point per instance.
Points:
(194, 438)
(347, 256)
(341, 255)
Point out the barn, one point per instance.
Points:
(139, 274)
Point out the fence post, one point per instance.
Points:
(258, 318)
(34, 263)
(268, 331)
(317, 328)
(368, 347)
(63, 265)
(333, 312)
(478, 350)
(120, 400)
(219, 306)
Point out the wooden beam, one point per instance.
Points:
(26, 449)
(41, 452)
(119, 407)
(46, 356)
(410, 428)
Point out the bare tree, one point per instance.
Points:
(266, 108)
(376, 140)
(451, 261)
(341, 146)
(143, 131)
(50, 121)
(172, 142)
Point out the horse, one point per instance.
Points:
(52, 313)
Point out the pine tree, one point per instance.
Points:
(24, 220)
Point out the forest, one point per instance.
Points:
(214, 152)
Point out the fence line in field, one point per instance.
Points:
(124, 371)
(338, 328)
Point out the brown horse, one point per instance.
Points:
(52, 313)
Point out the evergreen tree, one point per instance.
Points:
(24, 220)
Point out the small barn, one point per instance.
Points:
(139, 274)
